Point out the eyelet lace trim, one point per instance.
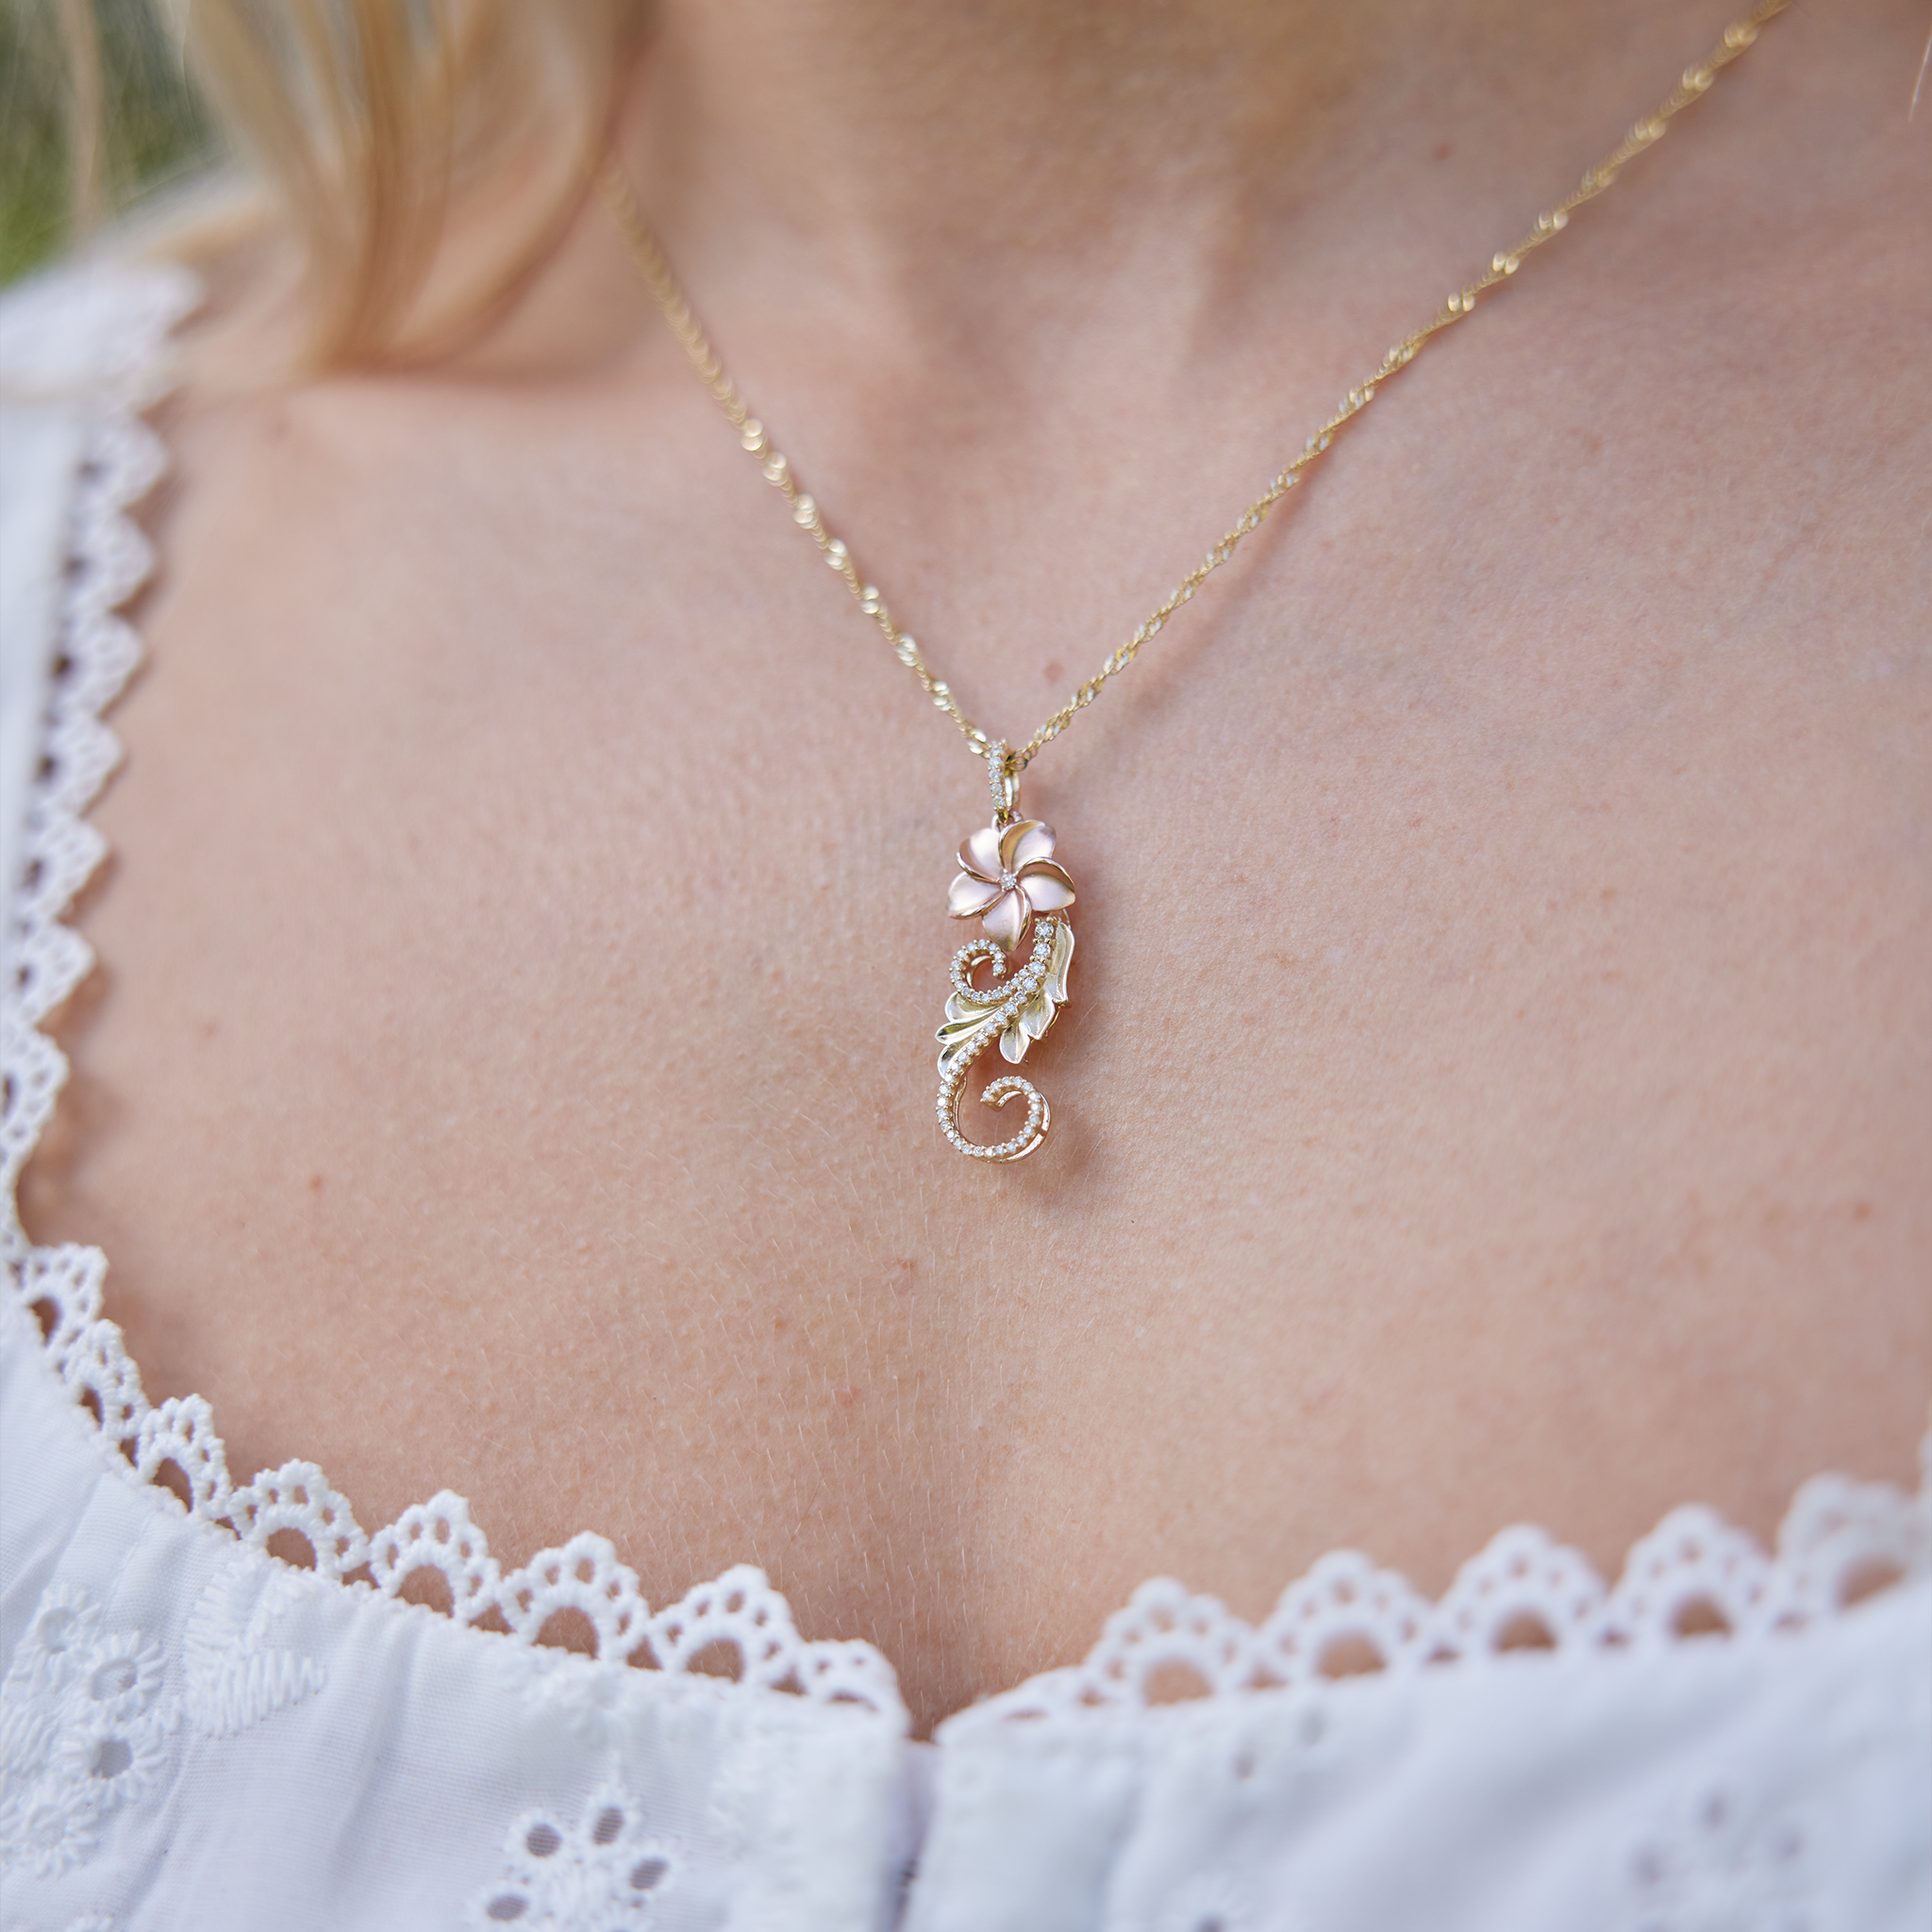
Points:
(1693, 1573)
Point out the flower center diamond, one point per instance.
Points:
(1007, 882)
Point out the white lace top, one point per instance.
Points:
(196, 1735)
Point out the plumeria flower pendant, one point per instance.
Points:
(1009, 876)
(1010, 882)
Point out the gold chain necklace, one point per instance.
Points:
(1009, 879)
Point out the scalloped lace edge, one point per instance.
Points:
(1693, 1574)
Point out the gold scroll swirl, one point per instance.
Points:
(1014, 1012)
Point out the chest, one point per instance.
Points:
(513, 1067)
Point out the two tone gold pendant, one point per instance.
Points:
(1010, 881)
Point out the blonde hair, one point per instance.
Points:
(374, 123)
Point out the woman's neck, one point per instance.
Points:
(955, 169)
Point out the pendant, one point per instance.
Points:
(1009, 882)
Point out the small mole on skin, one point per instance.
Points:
(845, 1397)
(315, 1184)
(1443, 150)
(1055, 672)
(1861, 1211)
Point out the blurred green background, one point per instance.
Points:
(154, 132)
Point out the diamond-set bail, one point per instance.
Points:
(1003, 776)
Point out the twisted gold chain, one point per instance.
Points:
(805, 511)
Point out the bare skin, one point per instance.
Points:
(1495, 1085)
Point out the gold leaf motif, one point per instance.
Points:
(1063, 958)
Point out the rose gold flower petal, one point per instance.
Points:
(967, 895)
(1021, 843)
(1046, 886)
(980, 854)
(1005, 923)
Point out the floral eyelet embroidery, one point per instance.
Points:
(604, 1873)
(84, 1730)
(1713, 1866)
(89, 1725)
